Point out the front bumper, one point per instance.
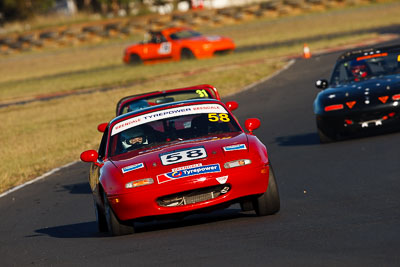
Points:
(158, 199)
(362, 121)
(210, 49)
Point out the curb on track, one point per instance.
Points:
(37, 179)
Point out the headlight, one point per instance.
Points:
(237, 163)
(140, 182)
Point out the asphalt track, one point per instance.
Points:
(340, 202)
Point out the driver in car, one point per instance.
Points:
(359, 69)
(134, 137)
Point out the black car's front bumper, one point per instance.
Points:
(343, 124)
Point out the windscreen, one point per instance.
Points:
(184, 34)
(366, 67)
(165, 98)
(170, 125)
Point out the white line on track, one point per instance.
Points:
(290, 63)
(36, 179)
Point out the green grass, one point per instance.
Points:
(39, 136)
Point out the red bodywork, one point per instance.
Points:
(107, 173)
(169, 48)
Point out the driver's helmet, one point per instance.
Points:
(138, 105)
(156, 38)
(359, 69)
(134, 137)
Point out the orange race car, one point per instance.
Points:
(175, 44)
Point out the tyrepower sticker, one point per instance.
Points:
(178, 174)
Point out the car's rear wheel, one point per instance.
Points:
(269, 202)
(135, 59)
(114, 225)
(186, 53)
(100, 219)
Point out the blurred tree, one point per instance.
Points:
(23, 9)
(115, 6)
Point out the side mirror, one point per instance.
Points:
(89, 156)
(322, 84)
(252, 124)
(232, 105)
(102, 127)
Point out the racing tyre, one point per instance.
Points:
(100, 219)
(114, 225)
(325, 135)
(135, 59)
(323, 138)
(269, 202)
(186, 54)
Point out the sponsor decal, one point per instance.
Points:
(372, 56)
(235, 147)
(187, 167)
(165, 48)
(182, 173)
(222, 179)
(132, 167)
(167, 113)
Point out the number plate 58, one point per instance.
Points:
(183, 155)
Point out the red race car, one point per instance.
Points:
(176, 159)
(135, 102)
(177, 43)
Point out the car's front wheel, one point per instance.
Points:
(100, 218)
(325, 135)
(115, 226)
(269, 202)
(135, 59)
(324, 138)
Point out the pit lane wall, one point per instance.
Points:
(206, 13)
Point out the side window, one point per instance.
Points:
(157, 38)
(103, 144)
(340, 74)
(163, 39)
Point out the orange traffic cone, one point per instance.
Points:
(306, 51)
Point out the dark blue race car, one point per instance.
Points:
(362, 95)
